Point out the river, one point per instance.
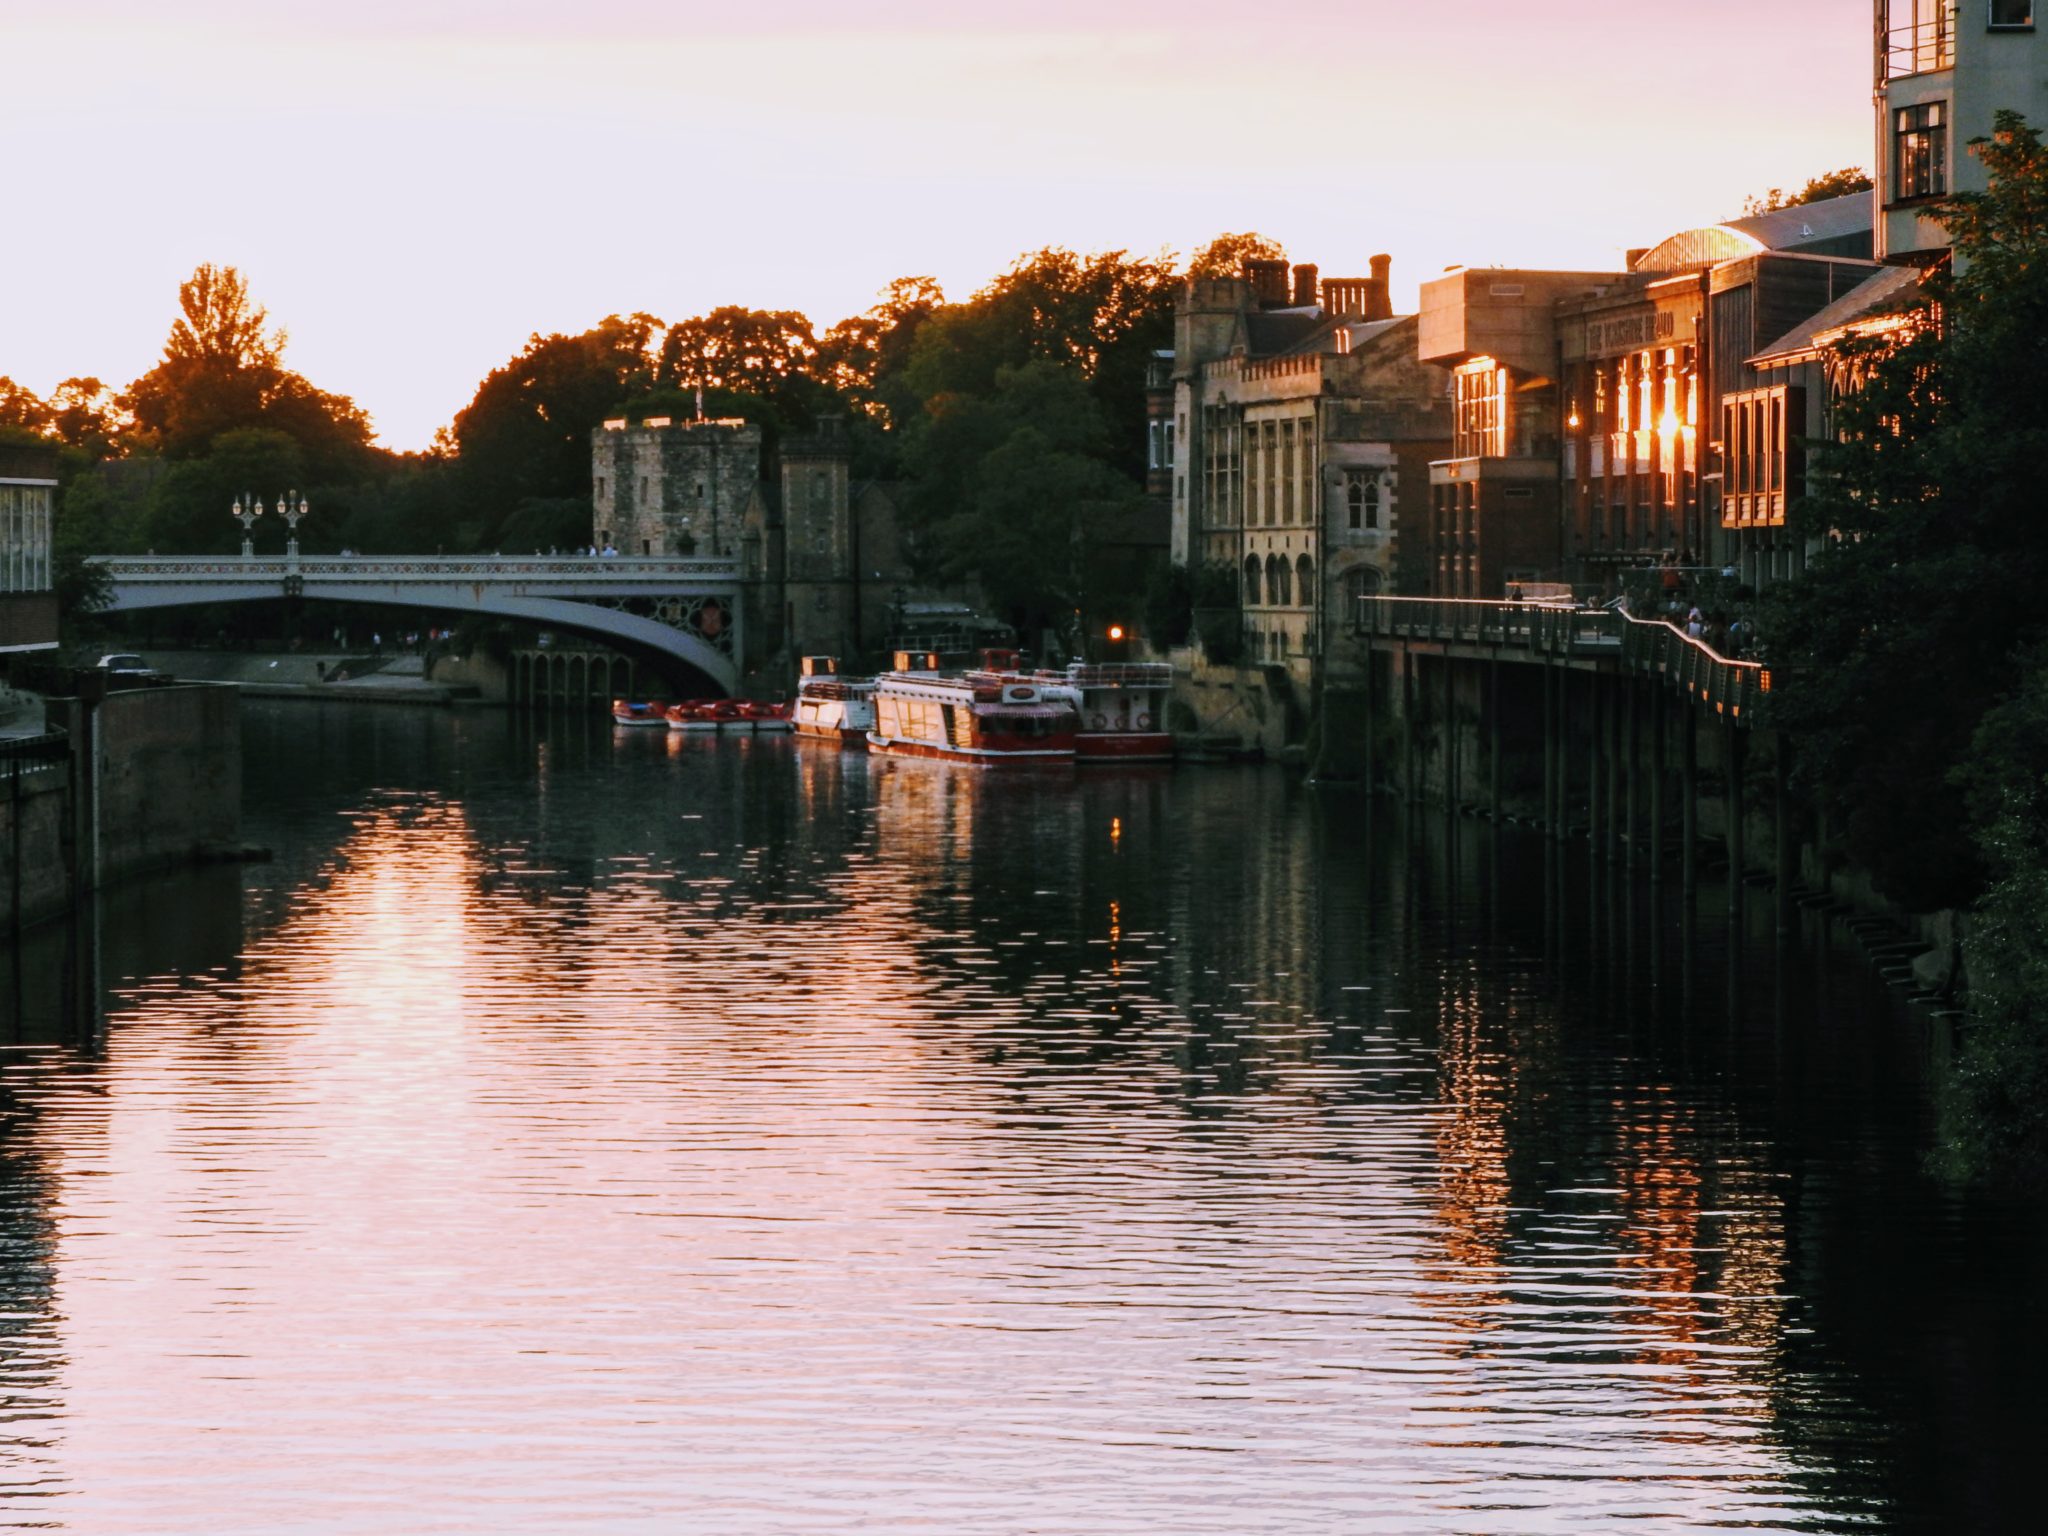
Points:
(573, 1132)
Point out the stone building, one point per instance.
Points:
(28, 603)
(1302, 426)
(821, 556)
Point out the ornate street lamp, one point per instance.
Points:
(291, 514)
(245, 510)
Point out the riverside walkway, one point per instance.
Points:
(1588, 718)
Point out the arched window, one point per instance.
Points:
(1251, 581)
(1305, 581)
(1372, 502)
(1277, 583)
(1354, 501)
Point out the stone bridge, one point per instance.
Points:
(683, 610)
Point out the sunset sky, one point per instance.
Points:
(414, 186)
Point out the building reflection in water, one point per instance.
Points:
(703, 1086)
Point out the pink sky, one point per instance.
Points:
(413, 186)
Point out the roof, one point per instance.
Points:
(1270, 332)
(1807, 224)
(1839, 226)
(1889, 291)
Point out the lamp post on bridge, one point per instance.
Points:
(245, 510)
(292, 514)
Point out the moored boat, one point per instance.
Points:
(689, 716)
(1122, 709)
(978, 717)
(830, 707)
(631, 712)
(767, 716)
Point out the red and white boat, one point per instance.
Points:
(628, 712)
(979, 717)
(690, 715)
(830, 707)
(1122, 705)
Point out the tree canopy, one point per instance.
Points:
(1929, 504)
(1849, 179)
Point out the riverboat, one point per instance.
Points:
(738, 716)
(987, 718)
(1122, 709)
(628, 712)
(830, 707)
(691, 715)
(1121, 705)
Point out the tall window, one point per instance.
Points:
(1361, 499)
(1251, 581)
(1920, 151)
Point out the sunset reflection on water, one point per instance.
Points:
(589, 1135)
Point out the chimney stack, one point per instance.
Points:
(1269, 281)
(1305, 286)
(1380, 297)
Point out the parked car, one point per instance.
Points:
(126, 666)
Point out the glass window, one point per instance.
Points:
(1920, 151)
(2012, 13)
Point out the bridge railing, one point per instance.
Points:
(416, 568)
(1728, 687)
(21, 755)
(1554, 629)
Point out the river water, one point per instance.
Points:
(572, 1132)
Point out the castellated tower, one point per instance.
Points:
(673, 488)
(820, 560)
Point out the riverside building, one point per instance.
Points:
(1603, 416)
(1944, 68)
(28, 601)
(1300, 432)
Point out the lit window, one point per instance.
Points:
(2014, 15)
(1920, 151)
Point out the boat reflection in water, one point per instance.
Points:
(579, 1131)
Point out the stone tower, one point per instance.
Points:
(673, 488)
(819, 553)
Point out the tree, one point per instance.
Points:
(223, 371)
(1995, 1105)
(1849, 179)
(1905, 633)
(1226, 255)
(526, 434)
(1004, 484)
(755, 350)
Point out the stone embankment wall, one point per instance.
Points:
(35, 815)
(1254, 710)
(169, 764)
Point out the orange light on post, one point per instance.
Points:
(1116, 631)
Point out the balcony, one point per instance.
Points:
(1917, 47)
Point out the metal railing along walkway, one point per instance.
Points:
(1732, 689)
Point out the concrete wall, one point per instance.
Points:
(41, 812)
(170, 777)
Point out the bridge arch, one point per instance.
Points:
(552, 594)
